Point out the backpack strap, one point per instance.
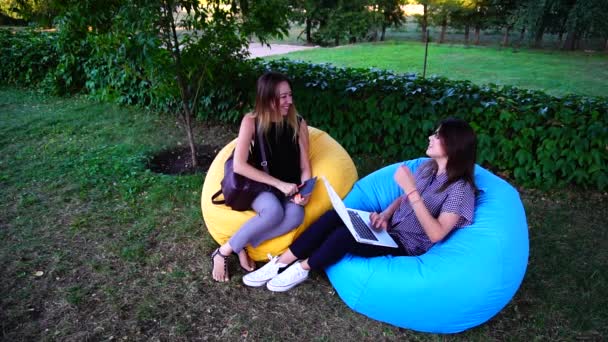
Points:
(216, 195)
(264, 162)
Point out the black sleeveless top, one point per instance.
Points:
(282, 153)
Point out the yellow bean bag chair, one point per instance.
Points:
(327, 158)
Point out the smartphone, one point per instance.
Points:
(306, 188)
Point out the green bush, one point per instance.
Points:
(536, 139)
(27, 56)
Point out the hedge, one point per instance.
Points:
(536, 139)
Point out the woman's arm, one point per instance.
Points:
(241, 153)
(305, 170)
(435, 228)
(303, 141)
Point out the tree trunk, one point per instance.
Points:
(308, 31)
(570, 43)
(538, 37)
(522, 34)
(505, 37)
(444, 28)
(477, 34)
(188, 125)
(383, 32)
(466, 34)
(562, 30)
(424, 22)
(173, 46)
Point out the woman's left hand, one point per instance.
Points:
(405, 178)
(300, 200)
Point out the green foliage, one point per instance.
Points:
(126, 60)
(41, 11)
(72, 50)
(265, 18)
(538, 140)
(27, 56)
(338, 21)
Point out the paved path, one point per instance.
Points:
(259, 50)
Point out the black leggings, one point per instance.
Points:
(327, 240)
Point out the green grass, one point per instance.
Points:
(556, 72)
(124, 252)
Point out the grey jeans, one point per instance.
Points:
(274, 218)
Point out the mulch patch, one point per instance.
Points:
(178, 160)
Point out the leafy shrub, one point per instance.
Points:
(27, 56)
(537, 139)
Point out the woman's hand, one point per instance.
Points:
(405, 179)
(379, 220)
(300, 200)
(287, 188)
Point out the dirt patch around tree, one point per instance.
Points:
(210, 137)
(178, 160)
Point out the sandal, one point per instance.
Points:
(243, 268)
(225, 257)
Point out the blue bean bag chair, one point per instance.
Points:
(460, 282)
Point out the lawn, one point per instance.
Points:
(556, 72)
(95, 247)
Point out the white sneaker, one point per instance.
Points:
(265, 273)
(291, 277)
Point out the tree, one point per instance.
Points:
(599, 24)
(461, 18)
(423, 20)
(441, 15)
(505, 16)
(217, 30)
(175, 49)
(436, 12)
(341, 20)
(545, 16)
(392, 14)
(585, 17)
(39, 11)
(480, 15)
(307, 12)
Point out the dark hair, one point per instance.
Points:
(460, 145)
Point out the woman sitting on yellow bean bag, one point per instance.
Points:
(272, 227)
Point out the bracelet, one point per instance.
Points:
(411, 192)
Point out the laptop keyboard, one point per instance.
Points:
(362, 229)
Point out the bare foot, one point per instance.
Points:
(246, 262)
(220, 269)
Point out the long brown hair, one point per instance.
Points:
(460, 144)
(267, 102)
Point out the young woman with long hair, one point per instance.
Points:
(285, 135)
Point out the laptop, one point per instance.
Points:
(357, 222)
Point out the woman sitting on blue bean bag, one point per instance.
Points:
(438, 198)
